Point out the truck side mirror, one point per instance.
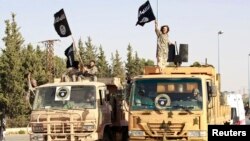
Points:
(213, 91)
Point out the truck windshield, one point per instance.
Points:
(77, 97)
(167, 94)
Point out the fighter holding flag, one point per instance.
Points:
(62, 28)
(162, 45)
(145, 15)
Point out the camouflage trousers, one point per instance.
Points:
(162, 61)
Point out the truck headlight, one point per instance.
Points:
(136, 133)
(197, 133)
(88, 127)
(36, 137)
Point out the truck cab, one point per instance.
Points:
(177, 104)
(71, 111)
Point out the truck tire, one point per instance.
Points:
(114, 110)
(107, 136)
(125, 134)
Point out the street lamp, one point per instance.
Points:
(220, 32)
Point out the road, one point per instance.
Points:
(25, 137)
(17, 137)
(248, 120)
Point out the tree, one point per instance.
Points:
(148, 62)
(134, 65)
(117, 68)
(60, 67)
(90, 52)
(82, 51)
(12, 77)
(138, 65)
(102, 64)
(40, 70)
(130, 65)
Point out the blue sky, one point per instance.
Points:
(111, 23)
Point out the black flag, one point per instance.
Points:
(69, 52)
(145, 14)
(61, 24)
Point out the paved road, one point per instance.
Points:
(26, 137)
(16, 137)
(247, 120)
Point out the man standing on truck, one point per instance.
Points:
(162, 45)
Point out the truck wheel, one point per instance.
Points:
(107, 136)
(113, 113)
(125, 134)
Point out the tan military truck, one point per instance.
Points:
(76, 111)
(177, 104)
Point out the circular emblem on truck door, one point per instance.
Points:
(162, 101)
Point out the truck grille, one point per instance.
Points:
(67, 123)
(168, 129)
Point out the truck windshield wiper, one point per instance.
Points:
(185, 108)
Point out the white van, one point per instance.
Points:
(237, 109)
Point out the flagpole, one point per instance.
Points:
(74, 46)
(157, 10)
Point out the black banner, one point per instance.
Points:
(231, 132)
(61, 24)
(69, 52)
(145, 14)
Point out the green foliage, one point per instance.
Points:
(60, 67)
(130, 64)
(3, 101)
(39, 72)
(18, 121)
(147, 62)
(90, 51)
(12, 78)
(117, 68)
(138, 64)
(82, 51)
(102, 64)
(21, 132)
(134, 65)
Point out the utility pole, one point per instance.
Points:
(49, 44)
(219, 33)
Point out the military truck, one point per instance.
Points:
(77, 111)
(177, 103)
